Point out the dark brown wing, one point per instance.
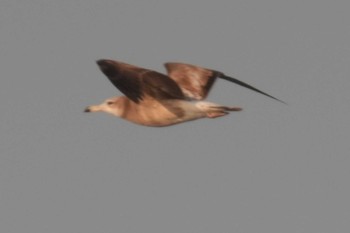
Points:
(196, 81)
(160, 86)
(136, 82)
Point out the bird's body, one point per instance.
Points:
(154, 99)
(160, 113)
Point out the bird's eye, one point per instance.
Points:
(109, 102)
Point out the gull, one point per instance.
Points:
(155, 99)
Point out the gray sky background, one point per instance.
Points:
(271, 168)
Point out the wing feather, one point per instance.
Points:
(196, 81)
(136, 82)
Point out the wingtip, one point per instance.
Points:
(241, 83)
(281, 101)
(100, 62)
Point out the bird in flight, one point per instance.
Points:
(155, 99)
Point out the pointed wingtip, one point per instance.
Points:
(243, 84)
(98, 62)
(281, 101)
(101, 62)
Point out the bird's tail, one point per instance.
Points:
(213, 110)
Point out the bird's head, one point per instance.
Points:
(112, 106)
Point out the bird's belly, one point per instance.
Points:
(167, 113)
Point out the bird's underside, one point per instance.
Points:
(155, 99)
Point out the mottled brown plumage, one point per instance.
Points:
(155, 99)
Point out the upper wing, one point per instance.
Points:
(196, 82)
(136, 82)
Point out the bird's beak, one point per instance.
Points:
(93, 108)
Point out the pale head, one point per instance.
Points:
(111, 105)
